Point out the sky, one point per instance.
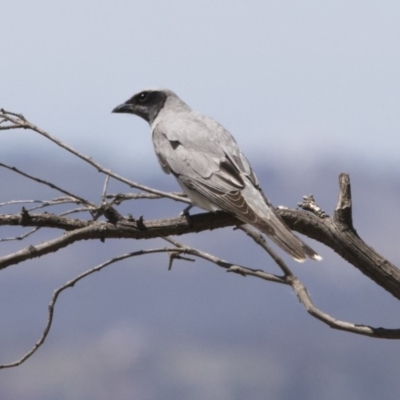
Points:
(309, 89)
(301, 79)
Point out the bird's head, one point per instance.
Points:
(146, 104)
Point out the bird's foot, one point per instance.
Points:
(185, 211)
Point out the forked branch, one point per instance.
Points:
(105, 222)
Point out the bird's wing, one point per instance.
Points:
(203, 136)
(207, 159)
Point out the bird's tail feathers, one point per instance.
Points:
(299, 251)
(281, 235)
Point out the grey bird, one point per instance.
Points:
(209, 166)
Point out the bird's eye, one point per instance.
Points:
(143, 97)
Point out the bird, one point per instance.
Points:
(209, 166)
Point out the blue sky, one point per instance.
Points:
(294, 81)
(309, 89)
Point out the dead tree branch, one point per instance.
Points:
(18, 121)
(105, 222)
(338, 233)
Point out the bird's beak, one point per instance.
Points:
(124, 108)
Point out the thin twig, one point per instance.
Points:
(360, 329)
(24, 124)
(21, 237)
(230, 267)
(50, 246)
(6, 114)
(104, 194)
(259, 239)
(51, 185)
(8, 127)
(120, 197)
(297, 286)
(15, 202)
(70, 284)
(43, 203)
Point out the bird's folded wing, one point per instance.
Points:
(199, 135)
(210, 172)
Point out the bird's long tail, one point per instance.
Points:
(257, 211)
(276, 229)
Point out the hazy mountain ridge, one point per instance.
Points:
(168, 330)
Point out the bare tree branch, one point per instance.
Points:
(19, 121)
(305, 299)
(336, 232)
(49, 184)
(67, 285)
(84, 230)
(330, 231)
(178, 249)
(20, 237)
(290, 279)
(339, 234)
(333, 232)
(118, 198)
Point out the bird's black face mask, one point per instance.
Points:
(146, 104)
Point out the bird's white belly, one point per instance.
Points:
(198, 199)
